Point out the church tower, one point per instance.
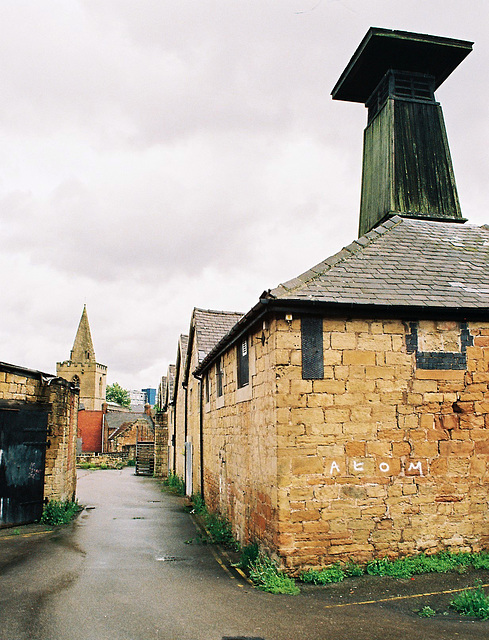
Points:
(82, 368)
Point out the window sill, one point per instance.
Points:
(243, 394)
(219, 402)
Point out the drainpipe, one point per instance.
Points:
(185, 423)
(201, 434)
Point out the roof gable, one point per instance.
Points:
(210, 327)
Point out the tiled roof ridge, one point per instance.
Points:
(357, 245)
(219, 312)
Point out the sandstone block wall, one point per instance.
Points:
(193, 420)
(62, 401)
(380, 457)
(240, 458)
(161, 445)
(180, 423)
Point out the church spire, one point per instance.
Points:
(83, 350)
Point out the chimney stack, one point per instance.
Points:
(407, 169)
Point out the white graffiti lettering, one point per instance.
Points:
(416, 467)
(334, 467)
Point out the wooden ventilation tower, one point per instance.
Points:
(407, 168)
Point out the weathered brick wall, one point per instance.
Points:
(90, 430)
(240, 461)
(62, 400)
(381, 457)
(161, 445)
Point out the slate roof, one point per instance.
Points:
(170, 383)
(211, 326)
(121, 420)
(183, 346)
(403, 262)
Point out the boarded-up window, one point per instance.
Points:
(312, 348)
(243, 363)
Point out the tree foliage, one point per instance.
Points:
(115, 393)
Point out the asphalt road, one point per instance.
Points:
(131, 568)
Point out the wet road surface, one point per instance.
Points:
(131, 568)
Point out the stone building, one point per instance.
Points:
(207, 327)
(168, 409)
(124, 429)
(177, 412)
(348, 409)
(38, 427)
(83, 369)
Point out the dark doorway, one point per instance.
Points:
(23, 437)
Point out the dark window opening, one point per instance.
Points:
(219, 378)
(243, 363)
(207, 388)
(312, 348)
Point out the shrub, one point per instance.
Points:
(266, 575)
(55, 512)
(472, 602)
(426, 612)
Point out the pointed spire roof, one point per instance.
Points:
(83, 350)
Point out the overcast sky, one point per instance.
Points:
(158, 155)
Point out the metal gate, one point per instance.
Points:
(23, 439)
(145, 458)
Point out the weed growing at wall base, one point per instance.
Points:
(218, 528)
(267, 576)
(55, 512)
(175, 484)
(442, 562)
(472, 602)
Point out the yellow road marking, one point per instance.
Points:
(11, 536)
(392, 598)
(217, 556)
